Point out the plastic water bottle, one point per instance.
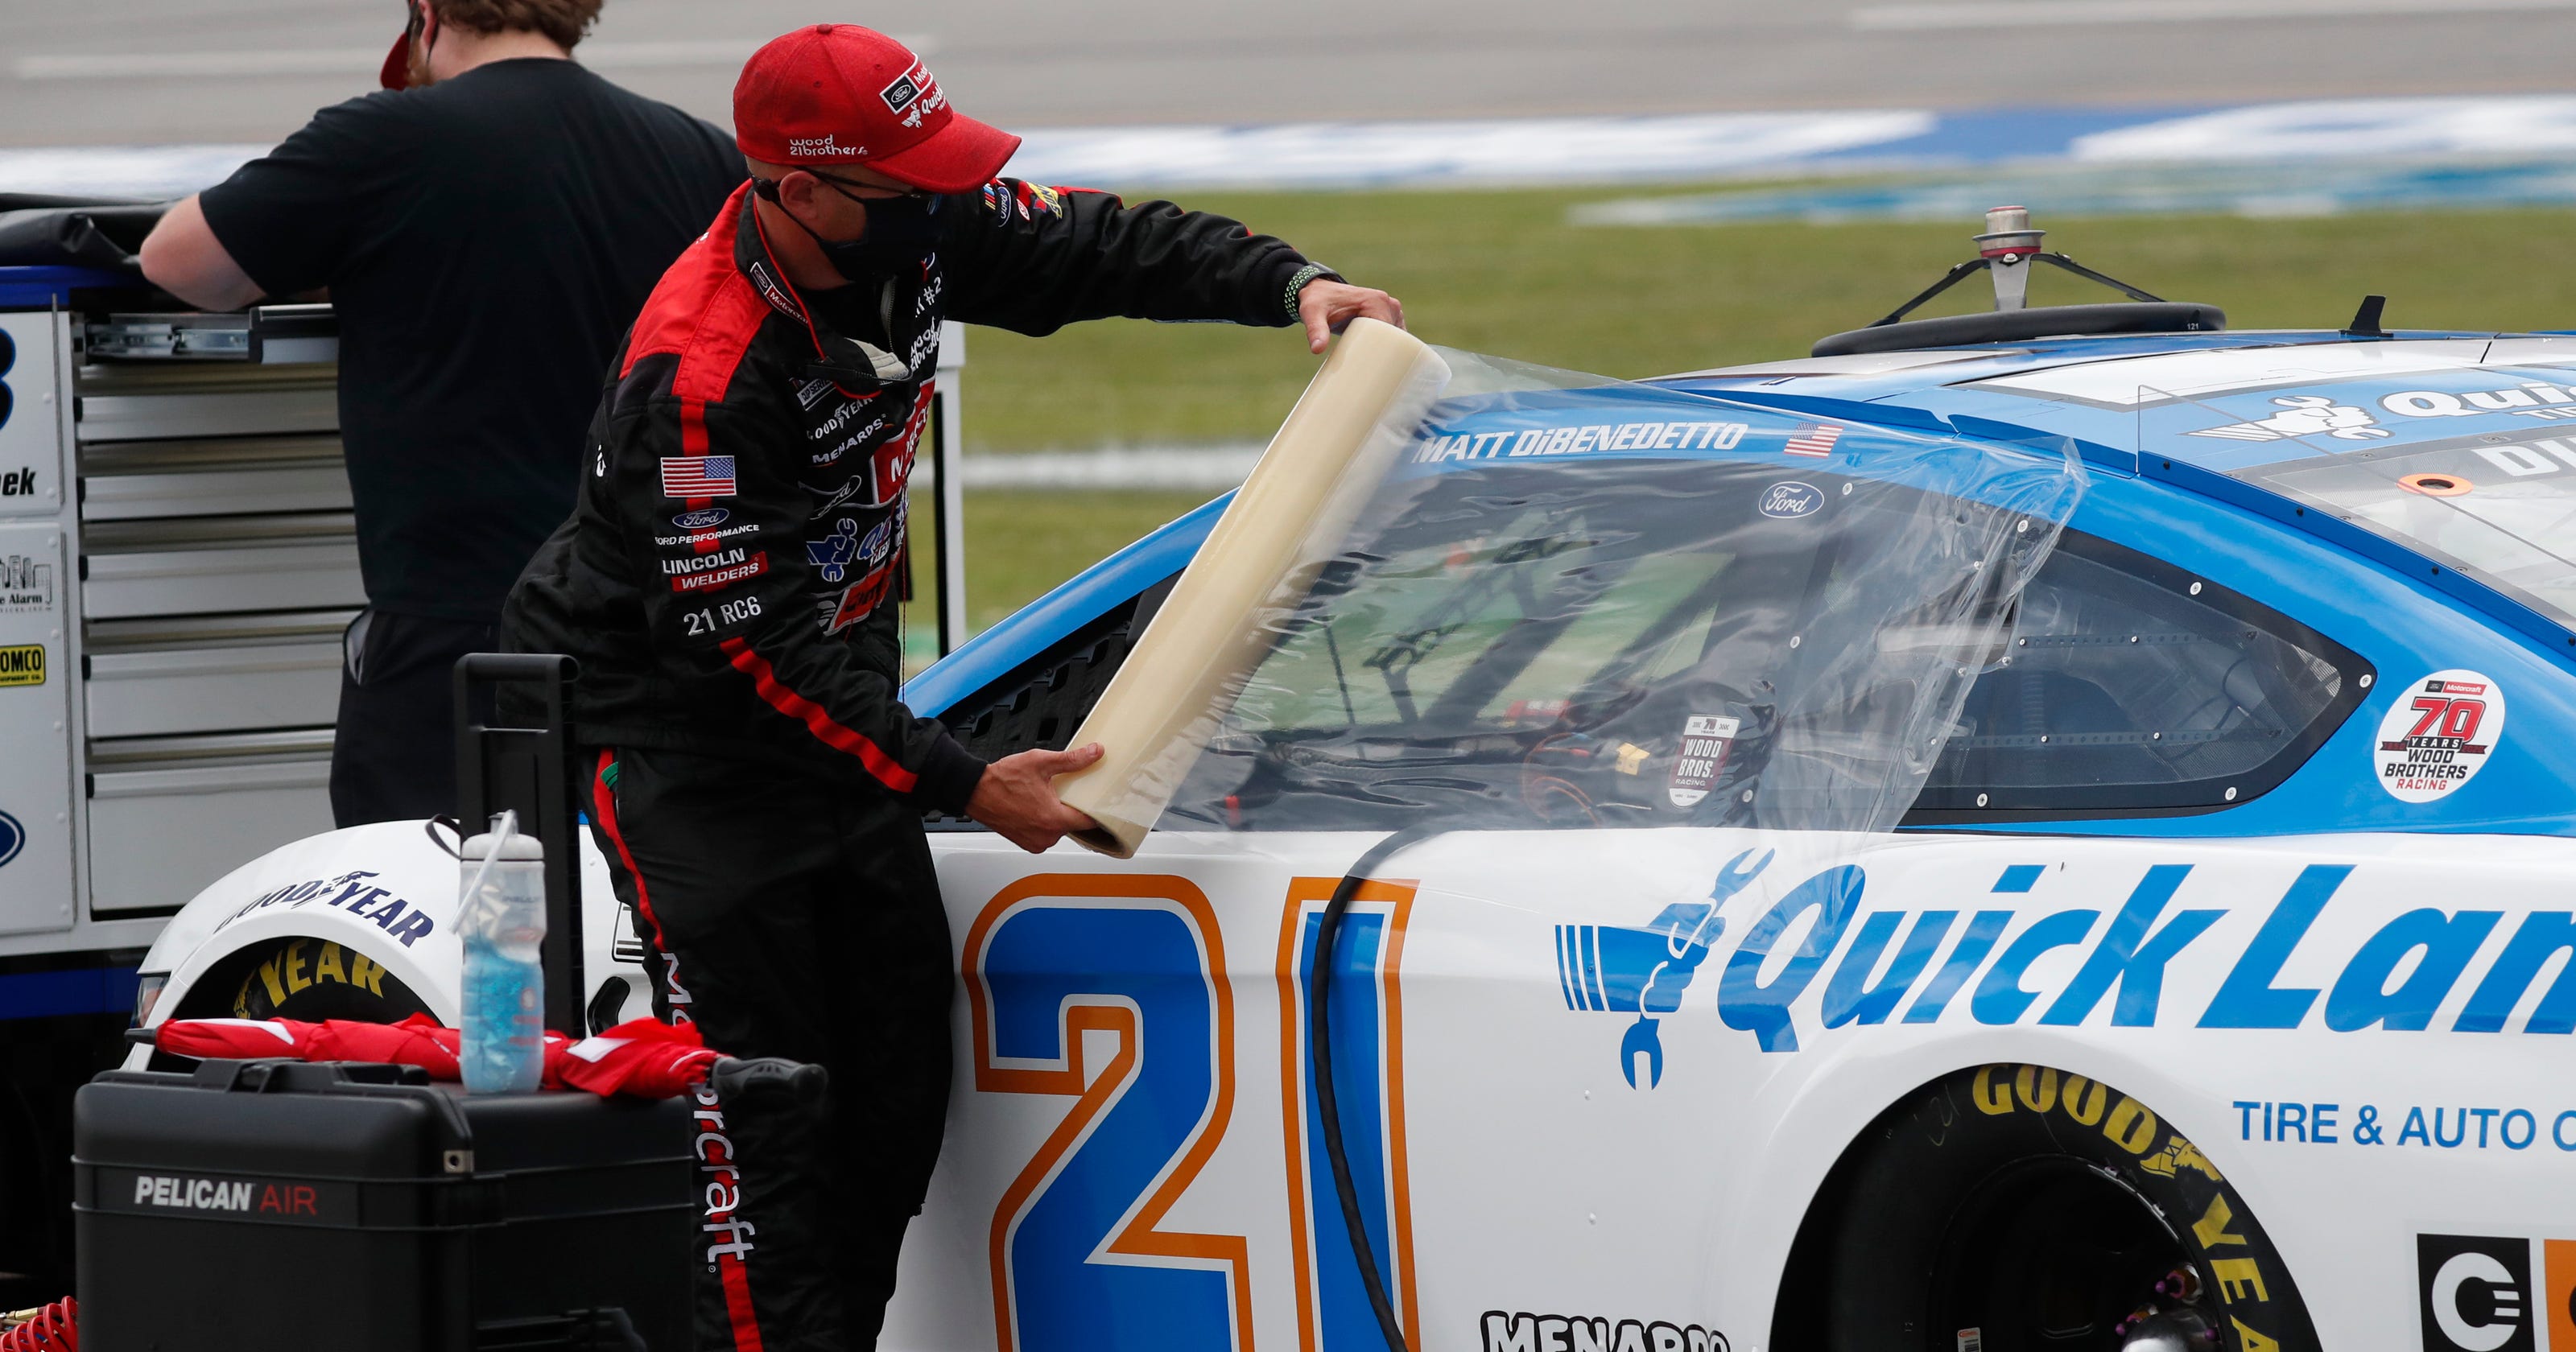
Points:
(501, 916)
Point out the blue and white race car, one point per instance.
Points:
(1732, 948)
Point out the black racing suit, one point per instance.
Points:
(758, 782)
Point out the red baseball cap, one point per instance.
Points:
(836, 93)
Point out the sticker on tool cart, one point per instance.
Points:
(1705, 738)
(2438, 734)
(25, 584)
(22, 664)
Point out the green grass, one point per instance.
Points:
(1503, 273)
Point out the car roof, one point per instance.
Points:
(2097, 389)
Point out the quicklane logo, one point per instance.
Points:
(13, 838)
(2398, 978)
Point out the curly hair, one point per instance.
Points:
(565, 21)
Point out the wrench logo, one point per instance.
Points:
(1645, 970)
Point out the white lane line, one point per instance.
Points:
(606, 55)
(1205, 469)
(2064, 13)
(1495, 151)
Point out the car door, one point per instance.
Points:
(1588, 699)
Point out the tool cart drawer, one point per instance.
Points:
(169, 815)
(298, 561)
(125, 481)
(144, 402)
(225, 673)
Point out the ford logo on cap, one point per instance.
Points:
(1791, 500)
(12, 837)
(705, 518)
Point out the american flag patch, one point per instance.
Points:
(697, 476)
(1814, 439)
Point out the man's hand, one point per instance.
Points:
(1016, 797)
(1327, 306)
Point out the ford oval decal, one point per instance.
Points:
(13, 837)
(705, 518)
(1792, 499)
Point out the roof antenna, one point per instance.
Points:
(2365, 321)
(2007, 248)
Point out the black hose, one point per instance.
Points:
(1319, 1051)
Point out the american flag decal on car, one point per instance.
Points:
(1815, 439)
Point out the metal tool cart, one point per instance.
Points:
(177, 564)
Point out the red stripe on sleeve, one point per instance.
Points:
(887, 771)
(603, 807)
(693, 426)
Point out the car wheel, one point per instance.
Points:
(2017, 1208)
(315, 979)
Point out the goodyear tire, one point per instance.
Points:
(2019, 1208)
(316, 979)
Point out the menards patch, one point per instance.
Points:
(22, 664)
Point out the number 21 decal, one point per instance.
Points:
(1061, 969)
(1112, 991)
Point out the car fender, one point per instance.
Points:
(387, 890)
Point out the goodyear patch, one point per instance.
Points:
(22, 664)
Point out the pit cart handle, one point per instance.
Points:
(530, 770)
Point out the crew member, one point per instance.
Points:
(727, 585)
(485, 233)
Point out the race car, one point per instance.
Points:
(2005, 835)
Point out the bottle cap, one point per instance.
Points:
(478, 848)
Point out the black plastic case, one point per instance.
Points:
(256, 1205)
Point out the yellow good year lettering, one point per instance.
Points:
(1993, 1099)
(362, 972)
(2084, 1100)
(2211, 1229)
(295, 979)
(2036, 1087)
(327, 967)
(2251, 1341)
(2238, 1275)
(2132, 1127)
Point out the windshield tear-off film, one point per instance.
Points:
(1564, 600)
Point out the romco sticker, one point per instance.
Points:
(2438, 735)
(1705, 738)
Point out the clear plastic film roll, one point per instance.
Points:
(1563, 600)
(1349, 428)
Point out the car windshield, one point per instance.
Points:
(1636, 641)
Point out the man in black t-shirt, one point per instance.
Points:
(486, 231)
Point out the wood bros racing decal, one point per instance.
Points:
(2438, 735)
(1705, 738)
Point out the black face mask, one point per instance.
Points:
(901, 231)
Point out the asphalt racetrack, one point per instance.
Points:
(139, 72)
